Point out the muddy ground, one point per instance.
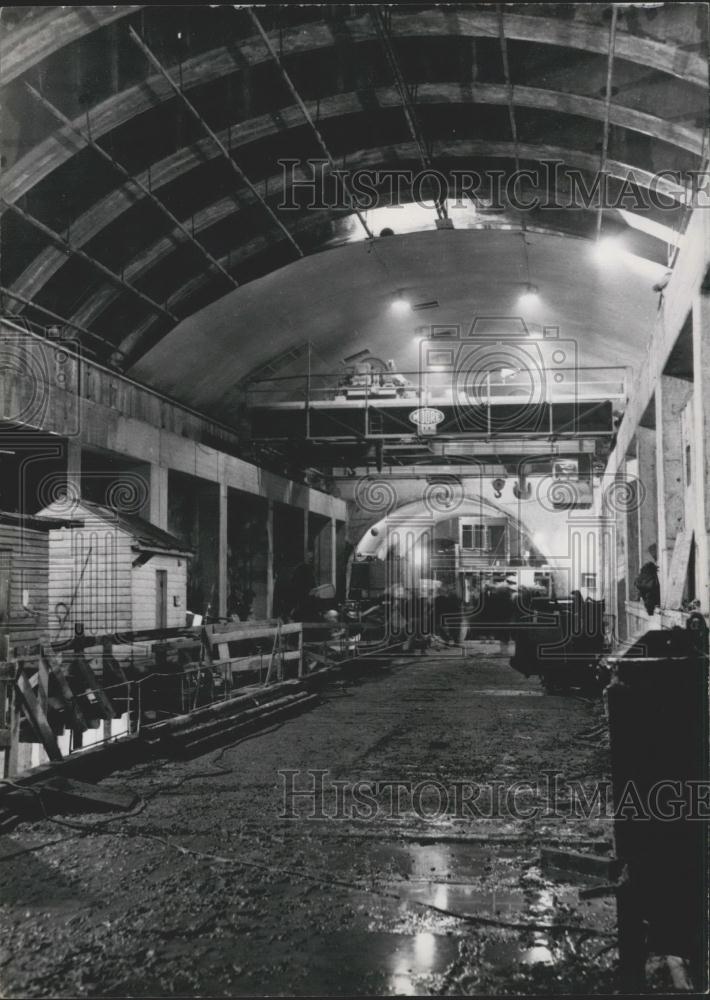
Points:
(419, 902)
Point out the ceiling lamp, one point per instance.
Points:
(400, 305)
(530, 297)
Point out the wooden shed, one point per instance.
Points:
(24, 575)
(114, 572)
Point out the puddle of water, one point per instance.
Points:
(508, 952)
(463, 898)
(389, 963)
(433, 862)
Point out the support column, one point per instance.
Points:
(270, 559)
(223, 581)
(701, 445)
(671, 394)
(648, 511)
(634, 554)
(305, 534)
(334, 553)
(74, 466)
(158, 488)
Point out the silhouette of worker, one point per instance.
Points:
(647, 582)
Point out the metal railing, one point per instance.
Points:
(436, 388)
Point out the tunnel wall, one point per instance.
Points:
(658, 475)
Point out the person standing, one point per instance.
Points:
(647, 583)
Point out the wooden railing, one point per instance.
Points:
(53, 695)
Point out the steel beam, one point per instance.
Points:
(217, 63)
(55, 316)
(406, 98)
(64, 244)
(607, 107)
(42, 36)
(127, 176)
(175, 166)
(233, 165)
(304, 111)
(510, 100)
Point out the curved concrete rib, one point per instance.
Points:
(363, 159)
(106, 211)
(209, 66)
(29, 44)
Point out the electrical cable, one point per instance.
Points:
(330, 882)
(96, 827)
(88, 828)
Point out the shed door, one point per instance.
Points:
(161, 598)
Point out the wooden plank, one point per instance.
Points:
(37, 717)
(245, 663)
(12, 755)
(575, 861)
(89, 678)
(43, 684)
(86, 794)
(72, 708)
(678, 570)
(252, 631)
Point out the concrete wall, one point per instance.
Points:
(144, 437)
(193, 517)
(98, 409)
(248, 556)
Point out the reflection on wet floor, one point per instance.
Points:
(423, 955)
(482, 881)
(384, 961)
(408, 903)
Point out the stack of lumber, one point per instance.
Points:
(255, 707)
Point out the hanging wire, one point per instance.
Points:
(513, 131)
(607, 110)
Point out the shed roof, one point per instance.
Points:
(145, 535)
(36, 522)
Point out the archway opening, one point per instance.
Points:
(466, 557)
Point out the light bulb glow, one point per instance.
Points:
(400, 305)
(530, 297)
(608, 250)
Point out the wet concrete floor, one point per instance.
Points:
(210, 890)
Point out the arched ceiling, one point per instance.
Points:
(340, 301)
(144, 219)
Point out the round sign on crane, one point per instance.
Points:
(427, 419)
